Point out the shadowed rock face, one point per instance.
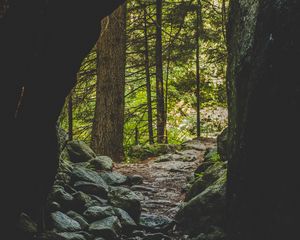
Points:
(264, 101)
(42, 44)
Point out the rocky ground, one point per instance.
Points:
(176, 193)
(165, 179)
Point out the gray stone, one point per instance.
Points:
(78, 218)
(86, 175)
(127, 200)
(60, 196)
(108, 228)
(72, 236)
(101, 163)
(194, 144)
(80, 200)
(93, 203)
(152, 222)
(79, 152)
(135, 179)
(156, 236)
(63, 223)
(97, 213)
(114, 178)
(92, 188)
(164, 158)
(54, 206)
(142, 188)
(127, 222)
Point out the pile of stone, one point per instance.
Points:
(89, 201)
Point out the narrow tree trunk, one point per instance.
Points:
(197, 37)
(224, 18)
(70, 117)
(136, 136)
(159, 75)
(148, 79)
(107, 134)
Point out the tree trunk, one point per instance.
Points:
(264, 102)
(148, 79)
(107, 134)
(159, 75)
(197, 37)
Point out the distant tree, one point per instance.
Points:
(197, 38)
(148, 78)
(107, 133)
(159, 76)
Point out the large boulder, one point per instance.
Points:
(204, 210)
(206, 178)
(108, 228)
(63, 223)
(78, 151)
(127, 200)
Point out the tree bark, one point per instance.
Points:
(197, 38)
(107, 134)
(159, 76)
(148, 79)
(264, 102)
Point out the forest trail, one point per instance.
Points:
(165, 179)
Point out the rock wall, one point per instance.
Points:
(264, 100)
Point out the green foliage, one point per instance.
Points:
(139, 152)
(179, 56)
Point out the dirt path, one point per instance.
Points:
(165, 178)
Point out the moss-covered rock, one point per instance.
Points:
(78, 151)
(205, 209)
(205, 179)
(101, 163)
(212, 155)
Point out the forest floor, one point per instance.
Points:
(165, 179)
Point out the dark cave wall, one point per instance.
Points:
(42, 44)
(264, 107)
